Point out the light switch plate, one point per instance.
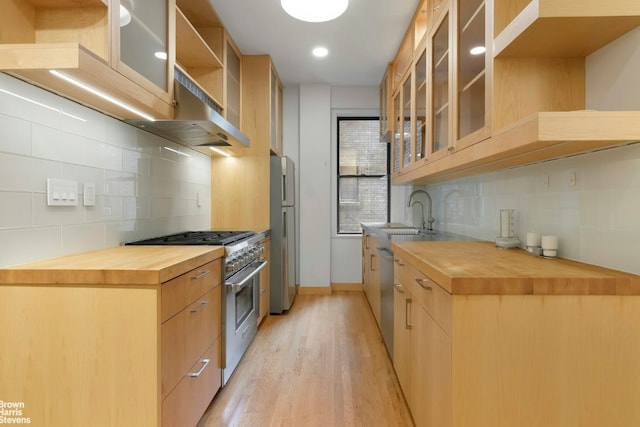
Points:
(62, 192)
(89, 194)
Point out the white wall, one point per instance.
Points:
(598, 219)
(143, 190)
(315, 185)
(291, 149)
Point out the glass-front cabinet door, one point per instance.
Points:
(421, 106)
(143, 45)
(398, 136)
(472, 80)
(232, 71)
(406, 130)
(440, 106)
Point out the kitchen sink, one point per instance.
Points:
(400, 230)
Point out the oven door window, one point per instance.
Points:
(244, 303)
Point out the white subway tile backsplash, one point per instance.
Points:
(82, 238)
(54, 144)
(119, 184)
(16, 210)
(103, 155)
(29, 244)
(625, 210)
(120, 134)
(16, 135)
(136, 162)
(597, 219)
(44, 215)
(142, 189)
(19, 173)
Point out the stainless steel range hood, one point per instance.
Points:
(197, 122)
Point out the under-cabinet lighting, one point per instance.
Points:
(320, 52)
(219, 151)
(478, 50)
(178, 152)
(101, 95)
(40, 104)
(315, 10)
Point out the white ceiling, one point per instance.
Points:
(361, 42)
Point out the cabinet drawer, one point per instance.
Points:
(187, 335)
(184, 289)
(184, 406)
(430, 296)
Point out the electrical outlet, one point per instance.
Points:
(89, 193)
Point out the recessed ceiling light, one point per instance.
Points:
(478, 50)
(320, 52)
(315, 10)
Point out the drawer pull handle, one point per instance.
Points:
(205, 362)
(399, 262)
(399, 288)
(422, 282)
(201, 275)
(202, 305)
(407, 313)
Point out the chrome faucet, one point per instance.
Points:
(430, 218)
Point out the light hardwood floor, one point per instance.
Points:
(322, 364)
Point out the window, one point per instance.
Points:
(363, 174)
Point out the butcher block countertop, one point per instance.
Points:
(121, 265)
(479, 268)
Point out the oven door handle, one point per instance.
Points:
(237, 281)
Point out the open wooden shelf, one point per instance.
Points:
(32, 62)
(565, 28)
(541, 136)
(199, 13)
(191, 49)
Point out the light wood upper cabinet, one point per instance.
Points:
(239, 190)
(276, 113)
(539, 28)
(199, 50)
(520, 101)
(440, 93)
(143, 43)
(473, 74)
(80, 40)
(233, 77)
(386, 106)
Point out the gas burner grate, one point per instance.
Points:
(220, 238)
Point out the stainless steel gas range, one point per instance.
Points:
(241, 290)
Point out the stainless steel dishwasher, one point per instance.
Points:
(386, 293)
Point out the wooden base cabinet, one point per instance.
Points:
(422, 351)
(504, 360)
(265, 279)
(113, 345)
(371, 273)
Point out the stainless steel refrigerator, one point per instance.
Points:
(283, 234)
